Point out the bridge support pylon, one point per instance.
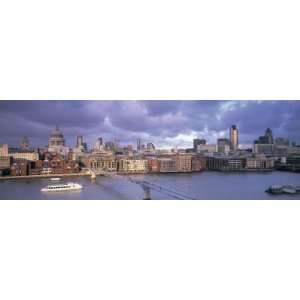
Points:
(93, 175)
(147, 192)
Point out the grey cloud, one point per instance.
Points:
(158, 121)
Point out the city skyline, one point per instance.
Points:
(167, 124)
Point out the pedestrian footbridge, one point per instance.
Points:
(146, 185)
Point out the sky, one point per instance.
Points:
(166, 123)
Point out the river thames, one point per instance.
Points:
(208, 185)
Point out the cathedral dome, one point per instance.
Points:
(56, 138)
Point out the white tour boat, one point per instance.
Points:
(70, 186)
(55, 179)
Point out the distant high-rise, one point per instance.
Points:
(197, 142)
(99, 144)
(265, 139)
(150, 147)
(25, 143)
(223, 145)
(79, 141)
(280, 141)
(269, 136)
(100, 141)
(109, 145)
(138, 144)
(234, 138)
(85, 146)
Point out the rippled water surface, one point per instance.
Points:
(205, 185)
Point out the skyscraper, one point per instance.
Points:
(266, 139)
(223, 145)
(269, 136)
(25, 143)
(197, 142)
(99, 144)
(79, 141)
(150, 147)
(138, 144)
(234, 138)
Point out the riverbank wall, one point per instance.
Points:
(44, 176)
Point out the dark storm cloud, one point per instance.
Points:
(166, 123)
(52, 112)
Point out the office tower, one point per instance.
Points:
(223, 145)
(138, 144)
(25, 143)
(85, 146)
(269, 136)
(99, 144)
(265, 139)
(79, 141)
(110, 145)
(234, 138)
(197, 142)
(150, 147)
(280, 141)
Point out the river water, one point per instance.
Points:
(204, 185)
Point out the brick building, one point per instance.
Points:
(183, 162)
(153, 165)
(167, 165)
(198, 163)
(20, 167)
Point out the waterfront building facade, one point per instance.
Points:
(20, 167)
(293, 162)
(28, 155)
(5, 162)
(133, 165)
(183, 162)
(235, 163)
(103, 162)
(259, 162)
(226, 163)
(153, 165)
(198, 163)
(167, 164)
